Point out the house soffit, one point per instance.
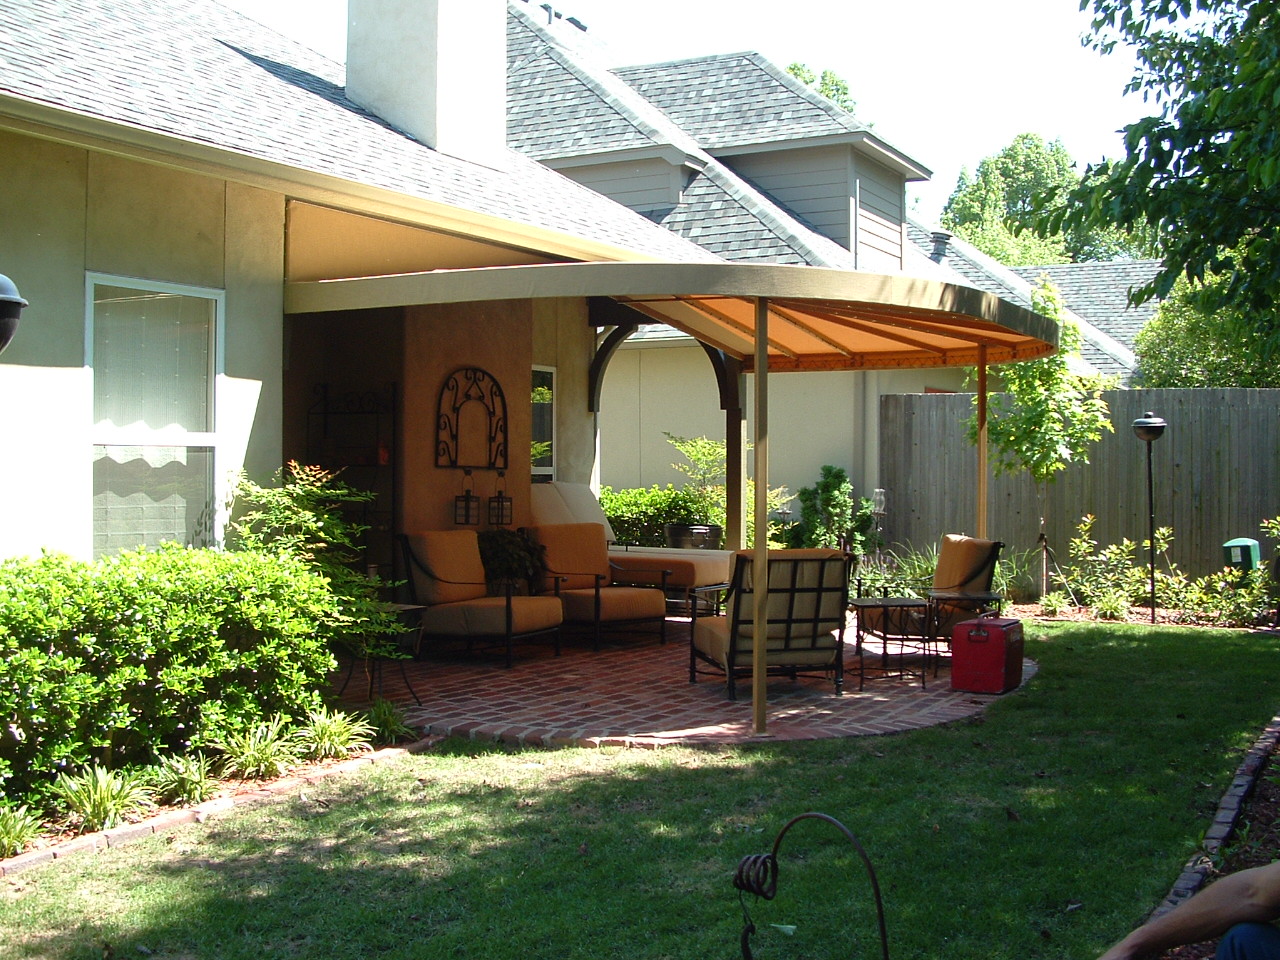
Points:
(323, 243)
(861, 143)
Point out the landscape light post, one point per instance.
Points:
(1149, 427)
(11, 304)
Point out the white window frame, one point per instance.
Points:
(549, 472)
(132, 435)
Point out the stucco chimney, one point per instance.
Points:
(940, 240)
(435, 69)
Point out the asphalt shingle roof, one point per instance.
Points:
(1099, 291)
(721, 212)
(564, 102)
(197, 71)
(737, 98)
(1102, 349)
(556, 108)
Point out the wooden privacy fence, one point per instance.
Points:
(1216, 470)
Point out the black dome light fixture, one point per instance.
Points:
(11, 304)
(1149, 428)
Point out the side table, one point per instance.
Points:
(904, 620)
(411, 616)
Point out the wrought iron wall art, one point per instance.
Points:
(465, 386)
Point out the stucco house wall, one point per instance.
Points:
(72, 212)
(815, 418)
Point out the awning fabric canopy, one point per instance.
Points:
(769, 317)
(819, 319)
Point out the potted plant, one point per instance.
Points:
(511, 557)
(703, 493)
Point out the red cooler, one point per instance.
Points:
(986, 655)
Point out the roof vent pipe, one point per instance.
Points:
(940, 240)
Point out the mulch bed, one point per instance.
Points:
(1256, 843)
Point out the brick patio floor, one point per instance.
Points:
(636, 692)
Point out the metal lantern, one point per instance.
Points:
(500, 505)
(466, 505)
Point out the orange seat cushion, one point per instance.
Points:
(487, 616)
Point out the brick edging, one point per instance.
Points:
(129, 832)
(1223, 826)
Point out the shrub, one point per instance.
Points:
(150, 652)
(387, 720)
(1055, 603)
(328, 734)
(304, 517)
(18, 827)
(638, 514)
(830, 516)
(102, 798)
(183, 779)
(1110, 605)
(267, 749)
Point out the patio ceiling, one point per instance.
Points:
(819, 319)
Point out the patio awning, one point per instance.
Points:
(768, 316)
(819, 319)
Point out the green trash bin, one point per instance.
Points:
(1241, 554)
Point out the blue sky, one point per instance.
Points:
(948, 83)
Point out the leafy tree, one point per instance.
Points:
(1046, 416)
(1203, 174)
(829, 84)
(990, 208)
(1184, 345)
(706, 486)
(304, 516)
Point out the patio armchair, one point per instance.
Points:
(806, 610)
(581, 577)
(446, 577)
(960, 590)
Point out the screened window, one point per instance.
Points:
(153, 352)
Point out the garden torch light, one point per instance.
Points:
(1147, 428)
(11, 304)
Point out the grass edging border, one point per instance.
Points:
(1222, 828)
(160, 822)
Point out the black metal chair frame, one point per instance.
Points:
(928, 638)
(558, 576)
(505, 640)
(802, 632)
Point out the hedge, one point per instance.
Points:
(150, 652)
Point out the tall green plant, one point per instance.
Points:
(706, 486)
(831, 516)
(1047, 415)
(304, 516)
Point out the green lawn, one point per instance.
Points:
(1046, 828)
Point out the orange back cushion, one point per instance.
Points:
(452, 558)
(576, 551)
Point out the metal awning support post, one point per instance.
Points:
(981, 527)
(760, 524)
